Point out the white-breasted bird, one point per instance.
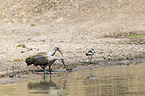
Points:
(90, 52)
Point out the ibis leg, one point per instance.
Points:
(50, 69)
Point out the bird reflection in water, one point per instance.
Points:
(45, 87)
(91, 76)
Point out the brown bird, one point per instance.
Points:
(50, 53)
(44, 61)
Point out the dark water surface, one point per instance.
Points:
(124, 80)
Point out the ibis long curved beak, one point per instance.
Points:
(64, 64)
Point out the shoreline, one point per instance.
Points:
(75, 66)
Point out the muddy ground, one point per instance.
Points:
(115, 29)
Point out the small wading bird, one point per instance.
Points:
(50, 53)
(44, 61)
(90, 53)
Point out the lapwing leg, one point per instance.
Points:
(90, 57)
(91, 60)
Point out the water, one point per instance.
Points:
(124, 80)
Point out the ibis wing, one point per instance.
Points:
(41, 61)
(41, 53)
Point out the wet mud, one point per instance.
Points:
(15, 76)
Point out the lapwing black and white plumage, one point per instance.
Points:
(44, 61)
(90, 52)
